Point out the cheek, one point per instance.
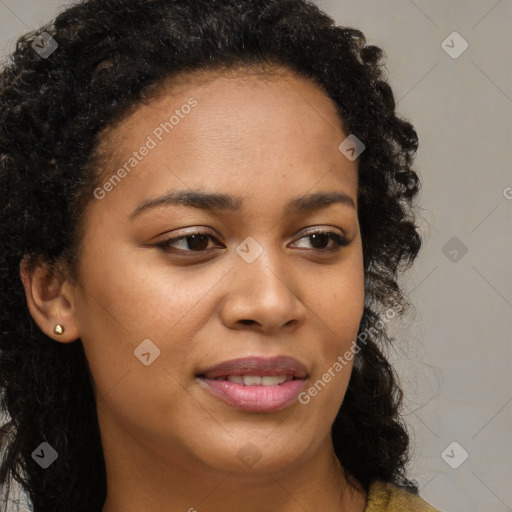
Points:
(337, 300)
(338, 306)
(124, 315)
(128, 296)
(124, 304)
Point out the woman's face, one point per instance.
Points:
(156, 316)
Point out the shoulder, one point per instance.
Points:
(388, 497)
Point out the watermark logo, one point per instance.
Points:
(352, 147)
(454, 45)
(249, 249)
(454, 249)
(44, 455)
(454, 455)
(44, 45)
(146, 352)
(249, 454)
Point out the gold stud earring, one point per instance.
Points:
(59, 329)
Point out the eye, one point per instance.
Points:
(321, 238)
(196, 242)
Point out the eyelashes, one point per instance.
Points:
(197, 242)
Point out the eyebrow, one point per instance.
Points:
(214, 201)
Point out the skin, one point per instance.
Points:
(169, 444)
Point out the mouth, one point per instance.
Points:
(258, 380)
(256, 384)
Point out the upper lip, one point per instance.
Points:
(255, 365)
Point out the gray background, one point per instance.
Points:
(453, 351)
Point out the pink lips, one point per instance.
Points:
(284, 378)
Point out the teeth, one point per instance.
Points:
(256, 380)
(270, 380)
(252, 380)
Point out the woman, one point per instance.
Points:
(206, 206)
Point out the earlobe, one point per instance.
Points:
(49, 300)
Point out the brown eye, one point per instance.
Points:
(195, 242)
(320, 240)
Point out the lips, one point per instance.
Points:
(256, 384)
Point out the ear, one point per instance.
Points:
(50, 300)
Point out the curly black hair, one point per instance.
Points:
(111, 56)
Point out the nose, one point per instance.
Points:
(264, 297)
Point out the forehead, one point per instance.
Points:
(241, 130)
(267, 97)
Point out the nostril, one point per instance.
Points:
(246, 322)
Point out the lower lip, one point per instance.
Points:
(256, 398)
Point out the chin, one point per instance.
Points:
(252, 454)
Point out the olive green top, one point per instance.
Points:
(387, 497)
